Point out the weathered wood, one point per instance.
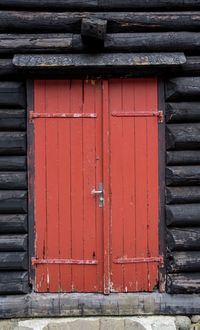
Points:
(13, 282)
(13, 223)
(13, 243)
(70, 22)
(100, 60)
(150, 42)
(13, 201)
(93, 31)
(22, 43)
(12, 163)
(183, 239)
(183, 262)
(186, 157)
(183, 215)
(182, 195)
(183, 88)
(12, 94)
(183, 112)
(12, 119)
(183, 283)
(6, 67)
(183, 136)
(182, 175)
(101, 4)
(12, 143)
(13, 261)
(13, 180)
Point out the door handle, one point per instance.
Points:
(99, 192)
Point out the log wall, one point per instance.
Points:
(13, 189)
(183, 184)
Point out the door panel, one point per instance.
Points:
(68, 219)
(134, 184)
(86, 133)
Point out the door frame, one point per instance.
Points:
(106, 180)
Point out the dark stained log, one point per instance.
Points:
(183, 239)
(151, 42)
(12, 143)
(13, 201)
(183, 136)
(70, 22)
(13, 223)
(182, 195)
(13, 243)
(13, 261)
(101, 4)
(6, 67)
(182, 175)
(182, 88)
(13, 282)
(12, 94)
(187, 261)
(13, 180)
(183, 157)
(183, 215)
(183, 112)
(12, 119)
(12, 163)
(72, 61)
(192, 65)
(22, 43)
(183, 283)
(93, 31)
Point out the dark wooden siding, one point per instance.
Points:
(183, 184)
(13, 188)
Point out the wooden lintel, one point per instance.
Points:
(101, 60)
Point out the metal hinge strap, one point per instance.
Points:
(158, 114)
(36, 115)
(159, 260)
(36, 261)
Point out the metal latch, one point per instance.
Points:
(100, 193)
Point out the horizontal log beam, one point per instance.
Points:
(13, 201)
(13, 223)
(13, 282)
(100, 4)
(182, 195)
(12, 94)
(183, 215)
(13, 261)
(183, 239)
(70, 22)
(13, 180)
(186, 157)
(183, 112)
(12, 143)
(93, 31)
(182, 175)
(183, 88)
(12, 119)
(187, 261)
(183, 283)
(13, 243)
(183, 136)
(119, 60)
(12, 163)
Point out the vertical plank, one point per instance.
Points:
(52, 196)
(40, 186)
(106, 182)
(64, 185)
(116, 163)
(77, 185)
(128, 151)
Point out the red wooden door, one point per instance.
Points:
(89, 133)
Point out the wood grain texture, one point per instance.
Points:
(187, 261)
(185, 157)
(13, 243)
(12, 94)
(182, 175)
(183, 112)
(13, 163)
(184, 239)
(13, 282)
(183, 136)
(182, 195)
(183, 88)
(183, 215)
(12, 143)
(184, 283)
(13, 201)
(13, 223)
(13, 261)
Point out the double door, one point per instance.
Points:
(95, 185)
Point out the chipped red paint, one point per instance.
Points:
(114, 141)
